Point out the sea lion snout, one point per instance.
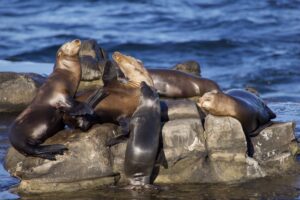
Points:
(71, 48)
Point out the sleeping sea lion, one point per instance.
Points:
(249, 109)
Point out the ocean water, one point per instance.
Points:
(238, 43)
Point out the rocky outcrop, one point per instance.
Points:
(17, 90)
(194, 152)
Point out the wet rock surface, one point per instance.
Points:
(215, 152)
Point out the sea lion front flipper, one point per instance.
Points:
(124, 130)
(79, 109)
(73, 107)
(96, 97)
(49, 151)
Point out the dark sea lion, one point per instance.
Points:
(43, 117)
(92, 60)
(176, 84)
(143, 143)
(249, 109)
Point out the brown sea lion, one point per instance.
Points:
(132, 68)
(43, 117)
(168, 83)
(122, 99)
(176, 84)
(249, 109)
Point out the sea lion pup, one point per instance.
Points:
(43, 117)
(249, 109)
(142, 146)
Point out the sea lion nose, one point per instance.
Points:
(77, 42)
(117, 56)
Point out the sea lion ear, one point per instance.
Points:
(59, 53)
(214, 91)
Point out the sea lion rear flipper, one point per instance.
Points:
(259, 129)
(161, 159)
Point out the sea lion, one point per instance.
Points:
(176, 84)
(92, 60)
(132, 68)
(123, 95)
(142, 146)
(190, 67)
(249, 109)
(43, 117)
(168, 82)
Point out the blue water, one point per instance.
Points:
(237, 43)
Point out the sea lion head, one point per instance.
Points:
(208, 102)
(69, 49)
(132, 68)
(149, 97)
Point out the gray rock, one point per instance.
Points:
(181, 137)
(273, 140)
(217, 154)
(17, 90)
(178, 109)
(191, 67)
(86, 163)
(224, 135)
(226, 145)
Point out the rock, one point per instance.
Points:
(86, 164)
(181, 137)
(226, 146)
(178, 109)
(17, 90)
(224, 135)
(194, 155)
(191, 67)
(273, 140)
